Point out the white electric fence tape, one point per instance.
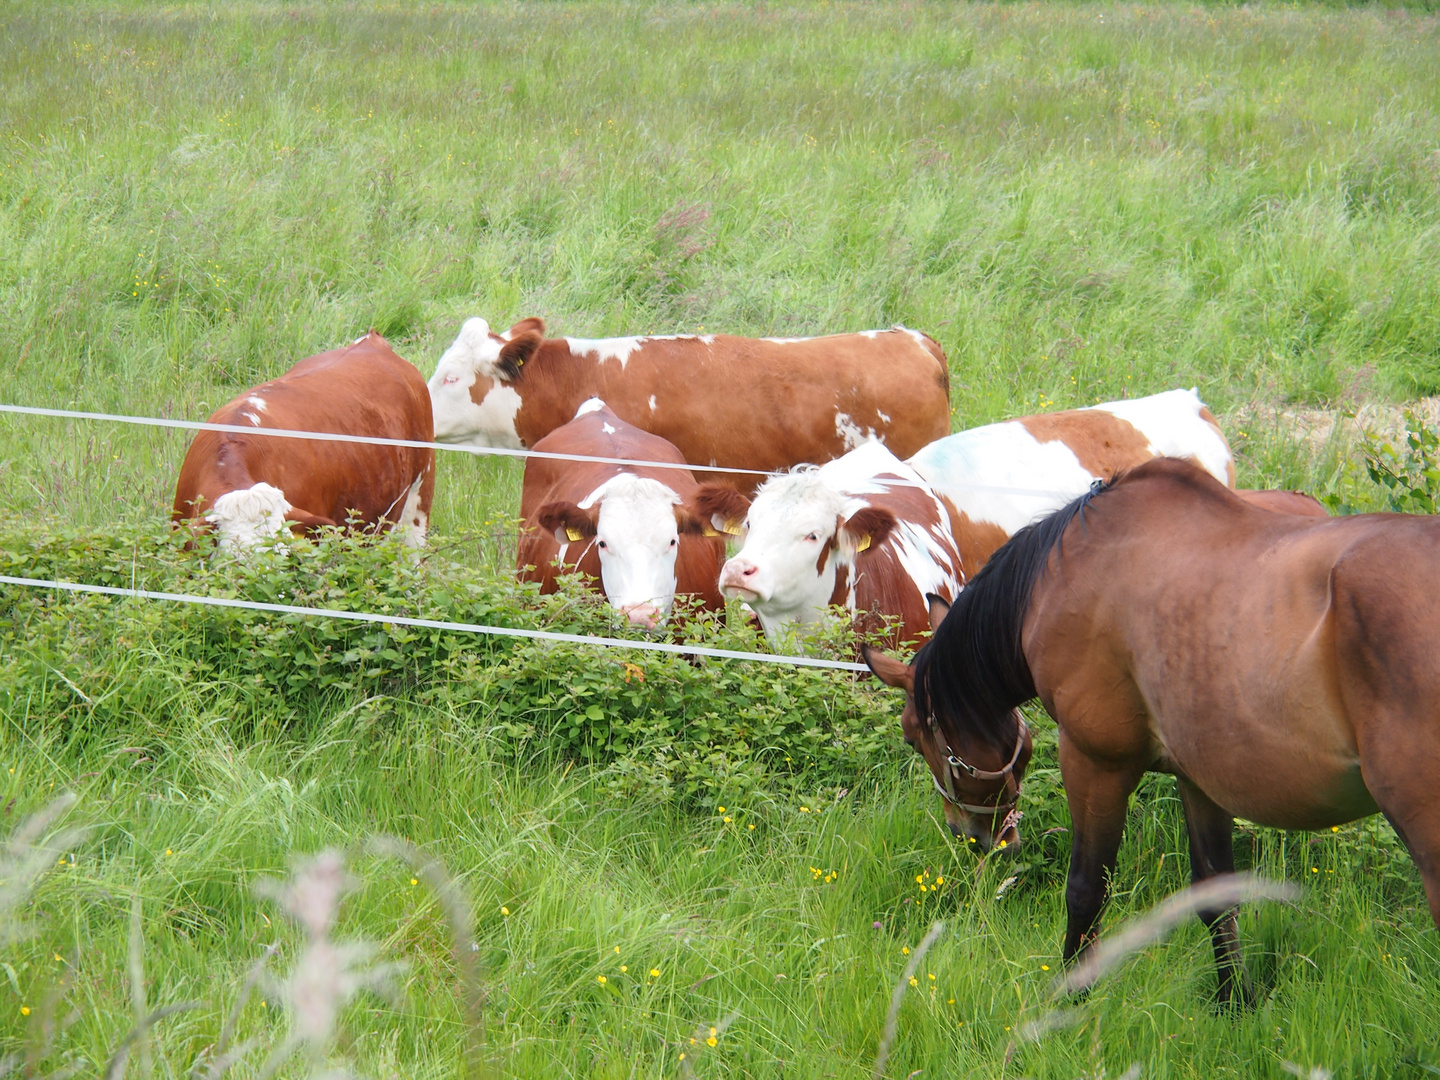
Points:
(495, 451)
(434, 624)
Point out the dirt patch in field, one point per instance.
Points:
(1319, 428)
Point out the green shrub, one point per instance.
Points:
(663, 724)
(1410, 472)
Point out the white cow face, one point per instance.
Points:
(473, 392)
(635, 525)
(796, 533)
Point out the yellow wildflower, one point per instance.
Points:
(504, 910)
(601, 979)
(914, 981)
(654, 973)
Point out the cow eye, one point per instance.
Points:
(604, 546)
(813, 536)
(674, 541)
(450, 379)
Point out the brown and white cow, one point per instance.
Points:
(625, 525)
(250, 487)
(999, 478)
(863, 531)
(742, 403)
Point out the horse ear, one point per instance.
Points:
(567, 521)
(888, 670)
(866, 528)
(939, 608)
(723, 507)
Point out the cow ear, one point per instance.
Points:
(866, 528)
(721, 506)
(516, 352)
(304, 522)
(888, 670)
(524, 326)
(689, 523)
(567, 521)
(939, 608)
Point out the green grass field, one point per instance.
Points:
(1077, 201)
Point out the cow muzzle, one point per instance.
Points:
(646, 615)
(738, 579)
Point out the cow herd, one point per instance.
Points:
(847, 486)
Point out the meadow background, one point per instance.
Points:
(1078, 202)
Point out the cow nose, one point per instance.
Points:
(646, 615)
(736, 572)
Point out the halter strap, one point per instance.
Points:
(956, 767)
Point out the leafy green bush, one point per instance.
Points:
(1409, 473)
(664, 724)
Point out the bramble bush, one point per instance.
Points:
(664, 725)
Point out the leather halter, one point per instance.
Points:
(957, 767)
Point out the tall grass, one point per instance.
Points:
(1078, 201)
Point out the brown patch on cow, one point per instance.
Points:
(785, 414)
(825, 550)
(1102, 442)
(977, 541)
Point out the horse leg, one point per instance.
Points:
(1098, 796)
(1211, 853)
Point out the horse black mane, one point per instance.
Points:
(973, 672)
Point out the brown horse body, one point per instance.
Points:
(1282, 667)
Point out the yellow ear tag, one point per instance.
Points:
(863, 545)
(575, 535)
(706, 530)
(731, 529)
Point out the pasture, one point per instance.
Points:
(1078, 202)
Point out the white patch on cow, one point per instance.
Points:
(872, 334)
(916, 334)
(883, 418)
(851, 433)
(256, 402)
(637, 540)
(588, 406)
(413, 523)
(458, 419)
(248, 516)
(607, 427)
(652, 402)
(786, 340)
(251, 417)
(605, 348)
(1175, 428)
(1037, 478)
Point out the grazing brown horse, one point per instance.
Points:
(1282, 667)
